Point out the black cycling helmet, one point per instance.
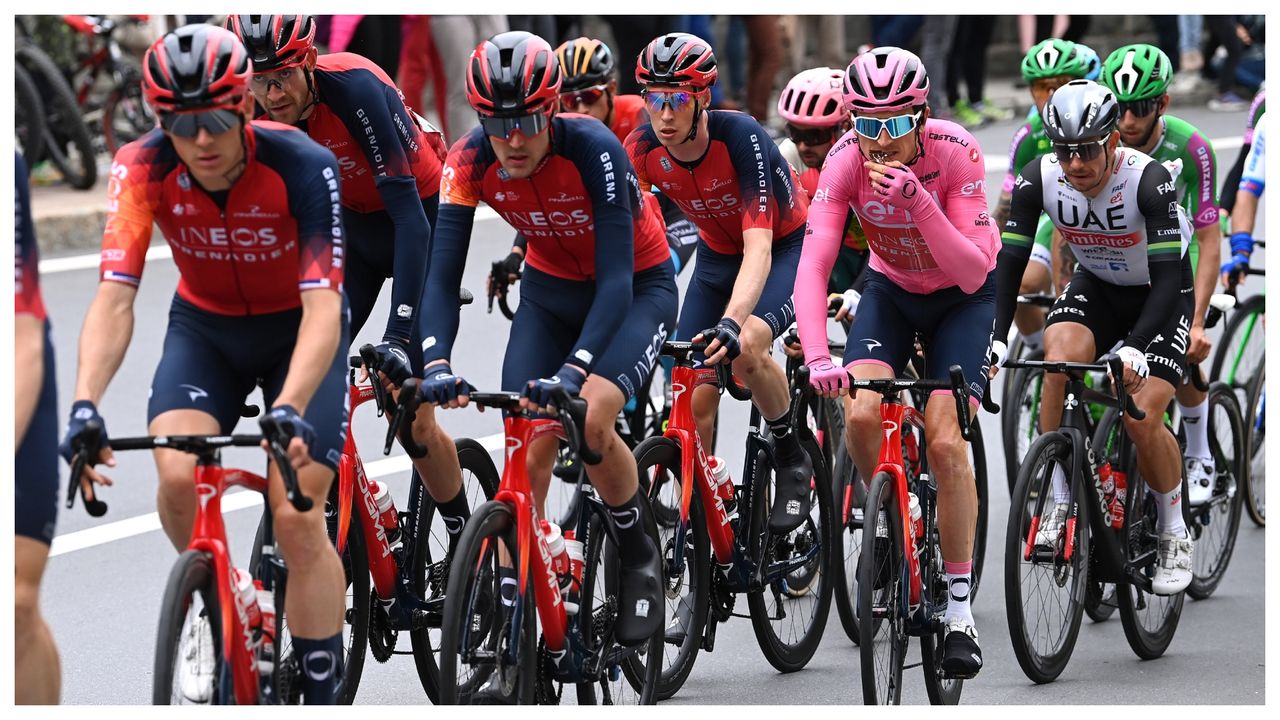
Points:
(585, 62)
(1080, 110)
(274, 42)
(513, 73)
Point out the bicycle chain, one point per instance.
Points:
(382, 638)
(545, 690)
(722, 598)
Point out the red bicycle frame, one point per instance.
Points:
(352, 480)
(209, 535)
(683, 429)
(892, 415)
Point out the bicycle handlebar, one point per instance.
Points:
(1109, 363)
(889, 387)
(572, 412)
(499, 282)
(406, 409)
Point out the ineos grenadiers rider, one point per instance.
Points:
(1118, 210)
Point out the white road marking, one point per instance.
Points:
(231, 502)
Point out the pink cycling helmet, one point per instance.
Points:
(814, 97)
(885, 78)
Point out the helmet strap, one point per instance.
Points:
(608, 118)
(697, 118)
(312, 95)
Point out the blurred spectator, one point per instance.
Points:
(455, 37)
(630, 34)
(700, 25)
(1226, 32)
(735, 53)
(418, 64)
(764, 59)
(827, 32)
(1032, 30)
(376, 37)
(968, 60)
(544, 26)
(936, 38)
(894, 30)
(1252, 31)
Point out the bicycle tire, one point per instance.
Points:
(1244, 321)
(880, 495)
(138, 119)
(978, 460)
(1018, 417)
(850, 546)
(1221, 521)
(1255, 485)
(29, 122)
(491, 526)
(785, 655)
(663, 452)
(1148, 640)
(639, 667)
(1100, 601)
(1015, 351)
(192, 574)
(942, 690)
(1035, 485)
(65, 130)
(473, 459)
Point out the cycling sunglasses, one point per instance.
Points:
(589, 96)
(504, 127)
(897, 126)
(1140, 108)
(1086, 151)
(189, 124)
(810, 136)
(677, 100)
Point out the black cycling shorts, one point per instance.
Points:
(714, 275)
(370, 262)
(954, 329)
(35, 466)
(553, 310)
(212, 362)
(1110, 312)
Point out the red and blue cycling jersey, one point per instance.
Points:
(742, 181)
(248, 251)
(26, 254)
(581, 210)
(628, 114)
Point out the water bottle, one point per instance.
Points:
(247, 597)
(267, 611)
(724, 484)
(1117, 502)
(573, 548)
(390, 519)
(560, 561)
(913, 503)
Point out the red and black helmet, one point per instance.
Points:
(677, 59)
(274, 42)
(196, 67)
(511, 74)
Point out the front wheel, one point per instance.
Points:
(1215, 525)
(189, 634)
(881, 613)
(1255, 495)
(789, 612)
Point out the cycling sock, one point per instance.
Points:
(1197, 427)
(1035, 340)
(1169, 512)
(634, 546)
(785, 442)
(321, 662)
(455, 514)
(959, 580)
(1061, 490)
(508, 586)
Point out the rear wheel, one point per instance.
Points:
(68, 143)
(29, 124)
(1019, 419)
(1241, 350)
(1215, 525)
(1256, 495)
(125, 115)
(190, 604)
(942, 689)
(881, 615)
(1044, 589)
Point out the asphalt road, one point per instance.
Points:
(102, 588)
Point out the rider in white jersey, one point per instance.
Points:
(1118, 209)
(1252, 182)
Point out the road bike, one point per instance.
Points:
(107, 81)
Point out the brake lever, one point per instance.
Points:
(80, 460)
(278, 442)
(406, 408)
(370, 357)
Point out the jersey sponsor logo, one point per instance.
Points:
(821, 194)
(978, 187)
(506, 196)
(1019, 182)
(1069, 215)
(1078, 237)
(949, 138)
(1173, 209)
(670, 185)
(983, 220)
(113, 255)
(974, 155)
(240, 238)
(1133, 160)
(564, 197)
(1117, 197)
(372, 143)
(716, 184)
(931, 176)
(665, 163)
(349, 167)
(1206, 172)
(1168, 187)
(577, 219)
(255, 211)
(195, 392)
(724, 202)
(1207, 216)
(610, 180)
(184, 180)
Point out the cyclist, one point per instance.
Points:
(590, 87)
(726, 174)
(1139, 76)
(1232, 182)
(1047, 66)
(1118, 210)
(599, 293)
(1253, 180)
(36, 674)
(251, 212)
(390, 190)
(917, 186)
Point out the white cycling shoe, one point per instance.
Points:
(1200, 478)
(1173, 568)
(195, 664)
(1049, 533)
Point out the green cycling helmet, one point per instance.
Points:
(1137, 72)
(1053, 58)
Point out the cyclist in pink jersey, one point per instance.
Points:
(917, 186)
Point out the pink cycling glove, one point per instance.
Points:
(826, 376)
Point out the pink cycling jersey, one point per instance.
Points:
(939, 238)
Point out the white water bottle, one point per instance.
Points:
(724, 484)
(247, 596)
(386, 511)
(267, 610)
(913, 503)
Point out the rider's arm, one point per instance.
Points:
(1199, 172)
(822, 240)
(319, 333)
(1016, 160)
(1156, 195)
(460, 186)
(746, 142)
(960, 238)
(377, 118)
(28, 309)
(610, 181)
(1252, 183)
(1015, 250)
(757, 259)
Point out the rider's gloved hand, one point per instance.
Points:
(441, 387)
(82, 412)
(901, 187)
(511, 263)
(825, 376)
(1135, 360)
(997, 353)
(1241, 249)
(849, 300)
(393, 360)
(541, 392)
(726, 332)
(291, 422)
